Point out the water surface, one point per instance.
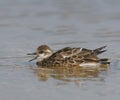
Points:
(26, 24)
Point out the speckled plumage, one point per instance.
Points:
(69, 57)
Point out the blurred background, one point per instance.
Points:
(26, 24)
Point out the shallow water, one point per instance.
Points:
(26, 24)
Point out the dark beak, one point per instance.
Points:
(33, 58)
(32, 53)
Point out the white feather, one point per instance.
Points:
(81, 49)
(89, 64)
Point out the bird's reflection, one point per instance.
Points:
(69, 74)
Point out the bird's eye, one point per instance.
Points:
(41, 52)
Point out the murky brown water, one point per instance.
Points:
(26, 24)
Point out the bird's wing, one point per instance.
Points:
(70, 52)
(81, 53)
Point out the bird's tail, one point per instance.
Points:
(104, 61)
(99, 50)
